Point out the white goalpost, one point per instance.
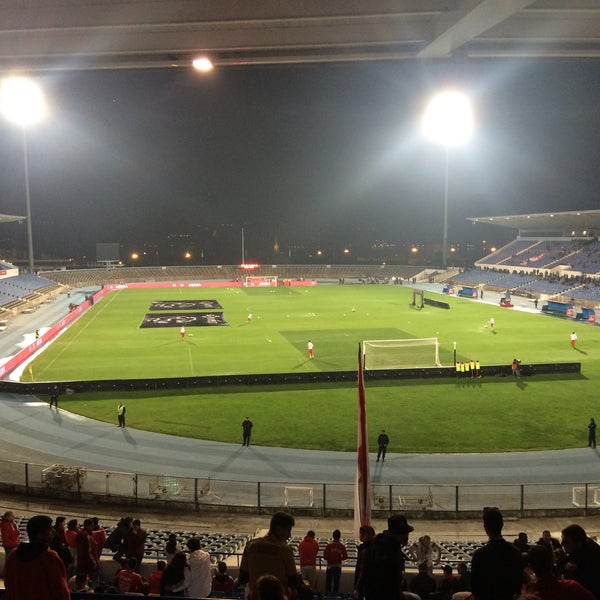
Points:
(401, 354)
(260, 281)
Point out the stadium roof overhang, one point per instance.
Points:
(120, 34)
(580, 223)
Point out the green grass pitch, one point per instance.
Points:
(491, 414)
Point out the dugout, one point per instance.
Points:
(468, 292)
(558, 309)
(586, 314)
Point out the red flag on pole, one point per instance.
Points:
(362, 490)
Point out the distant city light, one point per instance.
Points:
(134, 256)
(187, 255)
(346, 251)
(203, 64)
(414, 249)
(319, 252)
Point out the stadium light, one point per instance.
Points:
(203, 64)
(22, 102)
(448, 120)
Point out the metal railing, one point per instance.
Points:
(318, 498)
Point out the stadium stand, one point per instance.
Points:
(350, 273)
(506, 253)
(22, 291)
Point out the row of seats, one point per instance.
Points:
(223, 545)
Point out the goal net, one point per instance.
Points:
(261, 281)
(401, 354)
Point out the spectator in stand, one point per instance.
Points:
(268, 587)
(222, 581)
(156, 577)
(307, 551)
(172, 547)
(424, 550)
(583, 555)
(384, 560)
(463, 582)
(423, 584)
(33, 570)
(134, 542)
(87, 562)
(549, 542)
(128, 581)
(447, 586)
(367, 535)
(497, 568)
(335, 554)
(59, 541)
(9, 532)
(547, 585)
(200, 573)
(99, 536)
(71, 538)
(271, 555)
(522, 542)
(176, 576)
(115, 539)
(79, 583)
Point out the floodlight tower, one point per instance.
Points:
(22, 102)
(448, 120)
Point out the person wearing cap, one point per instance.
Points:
(497, 568)
(383, 571)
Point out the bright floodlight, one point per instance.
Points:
(448, 119)
(22, 101)
(202, 64)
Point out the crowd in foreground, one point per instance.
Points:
(499, 570)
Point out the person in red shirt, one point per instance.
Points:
(9, 531)
(546, 584)
(128, 581)
(99, 537)
(156, 577)
(71, 537)
(308, 550)
(335, 554)
(33, 570)
(87, 562)
(221, 580)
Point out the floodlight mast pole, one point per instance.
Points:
(22, 102)
(445, 236)
(27, 200)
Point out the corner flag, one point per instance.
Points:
(362, 488)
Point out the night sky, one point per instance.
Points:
(324, 156)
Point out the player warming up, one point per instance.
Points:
(573, 339)
(492, 323)
(182, 332)
(249, 319)
(310, 349)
